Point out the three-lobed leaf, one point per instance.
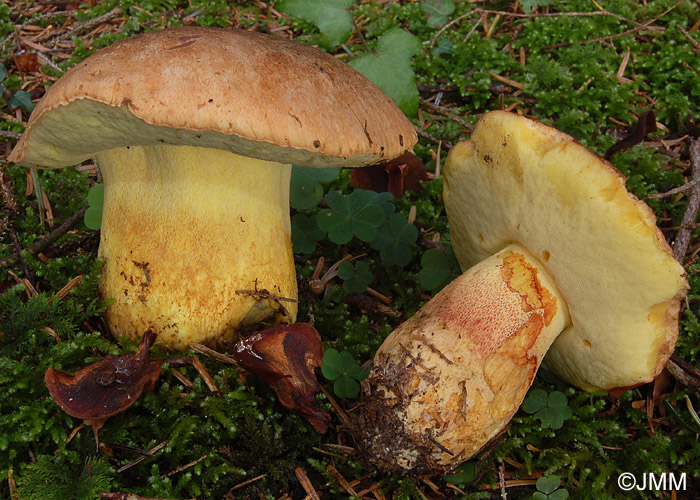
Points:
(390, 68)
(355, 278)
(357, 214)
(438, 268)
(332, 17)
(438, 12)
(305, 189)
(305, 234)
(548, 489)
(342, 369)
(93, 215)
(550, 409)
(394, 241)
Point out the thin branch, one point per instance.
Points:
(446, 112)
(680, 189)
(49, 239)
(680, 245)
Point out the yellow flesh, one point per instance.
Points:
(184, 229)
(456, 372)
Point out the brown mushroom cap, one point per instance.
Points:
(255, 95)
(520, 181)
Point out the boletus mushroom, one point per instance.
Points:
(562, 264)
(194, 131)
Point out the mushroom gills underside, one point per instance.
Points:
(451, 377)
(196, 243)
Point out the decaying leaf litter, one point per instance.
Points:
(651, 418)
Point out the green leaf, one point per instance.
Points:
(305, 186)
(551, 410)
(462, 475)
(394, 241)
(331, 366)
(96, 196)
(530, 6)
(548, 484)
(93, 218)
(438, 12)
(559, 495)
(22, 99)
(351, 215)
(346, 387)
(355, 278)
(342, 369)
(390, 68)
(305, 234)
(438, 269)
(332, 17)
(3, 72)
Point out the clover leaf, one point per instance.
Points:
(390, 68)
(462, 475)
(438, 12)
(93, 215)
(21, 98)
(332, 17)
(548, 488)
(550, 409)
(358, 214)
(355, 278)
(305, 234)
(438, 269)
(342, 369)
(394, 241)
(305, 189)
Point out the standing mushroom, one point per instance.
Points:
(194, 131)
(558, 253)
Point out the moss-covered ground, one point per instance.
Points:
(589, 68)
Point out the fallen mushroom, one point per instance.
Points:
(285, 357)
(561, 260)
(111, 385)
(194, 131)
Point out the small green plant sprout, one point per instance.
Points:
(332, 17)
(359, 214)
(305, 234)
(462, 475)
(355, 278)
(93, 215)
(306, 190)
(20, 99)
(394, 241)
(438, 12)
(342, 369)
(390, 68)
(548, 488)
(438, 268)
(550, 409)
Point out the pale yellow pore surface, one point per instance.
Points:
(520, 181)
(448, 379)
(183, 230)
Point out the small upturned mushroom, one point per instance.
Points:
(561, 260)
(194, 131)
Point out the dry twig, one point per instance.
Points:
(680, 245)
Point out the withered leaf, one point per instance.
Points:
(285, 357)
(644, 126)
(397, 176)
(107, 387)
(27, 62)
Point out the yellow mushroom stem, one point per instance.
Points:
(196, 243)
(450, 378)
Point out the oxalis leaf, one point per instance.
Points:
(390, 68)
(342, 369)
(93, 215)
(438, 269)
(437, 11)
(357, 214)
(332, 17)
(355, 278)
(305, 186)
(394, 241)
(305, 234)
(550, 409)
